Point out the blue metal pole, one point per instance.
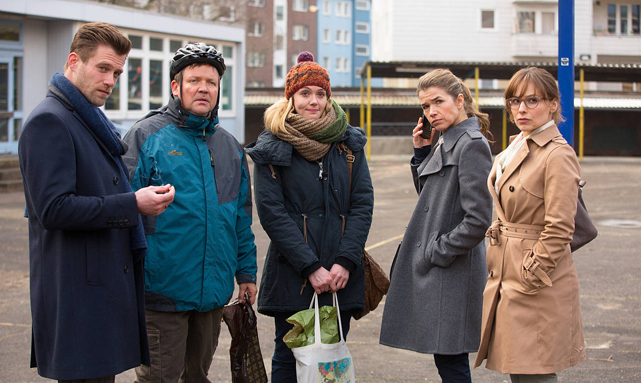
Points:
(566, 68)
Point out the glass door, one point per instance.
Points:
(10, 103)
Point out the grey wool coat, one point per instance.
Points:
(434, 303)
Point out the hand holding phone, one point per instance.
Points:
(427, 128)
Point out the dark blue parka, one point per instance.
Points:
(87, 293)
(298, 193)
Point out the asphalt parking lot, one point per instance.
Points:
(609, 271)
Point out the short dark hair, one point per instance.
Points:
(91, 35)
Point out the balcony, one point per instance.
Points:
(533, 45)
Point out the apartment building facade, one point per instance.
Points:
(35, 36)
(336, 32)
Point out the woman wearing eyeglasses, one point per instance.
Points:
(531, 313)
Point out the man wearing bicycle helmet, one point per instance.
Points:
(204, 239)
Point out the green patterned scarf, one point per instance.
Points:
(313, 138)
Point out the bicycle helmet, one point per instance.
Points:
(194, 53)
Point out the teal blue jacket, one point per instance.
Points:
(204, 239)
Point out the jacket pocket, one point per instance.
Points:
(425, 262)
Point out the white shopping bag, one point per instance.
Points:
(324, 363)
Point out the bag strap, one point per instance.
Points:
(317, 331)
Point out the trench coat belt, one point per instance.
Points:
(519, 230)
(509, 229)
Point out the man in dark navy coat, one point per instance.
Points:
(86, 241)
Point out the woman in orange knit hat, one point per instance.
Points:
(316, 215)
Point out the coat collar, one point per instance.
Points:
(531, 144)
(434, 161)
(190, 122)
(453, 134)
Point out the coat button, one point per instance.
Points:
(511, 188)
(116, 180)
(418, 244)
(426, 208)
(126, 269)
(441, 173)
(121, 222)
(491, 274)
(126, 221)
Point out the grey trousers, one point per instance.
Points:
(543, 378)
(106, 379)
(181, 346)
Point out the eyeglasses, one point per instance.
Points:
(530, 102)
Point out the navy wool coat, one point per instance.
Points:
(87, 294)
(300, 193)
(435, 299)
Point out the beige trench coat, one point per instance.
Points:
(531, 312)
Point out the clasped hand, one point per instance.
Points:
(329, 281)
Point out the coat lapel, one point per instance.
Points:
(435, 160)
(432, 164)
(514, 165)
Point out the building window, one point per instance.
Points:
(327, 63)
(342, 64)
(280, 43)
(256, 28)
(612, 18)
(9, 32)
(278, 72)
(362, 27)
(327, 7)
(280, 13)
(255, 59)
(136, 41)
(300, 5)
(256, 3)
(525, 22)
(362, 50)
(362, 5)
(155, 84)
(342, 37)
(487, 19)
(155, 44)
(174, 45)
(227, 14)
(547, 23)
(623, 19)
(300, 32)
(343, 9)
(134, 70)
(327, 36)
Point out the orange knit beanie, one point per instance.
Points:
(306, 72)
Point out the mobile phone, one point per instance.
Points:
(427, 128)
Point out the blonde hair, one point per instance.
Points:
(542, 81)
(276, 114)
(452, 85)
